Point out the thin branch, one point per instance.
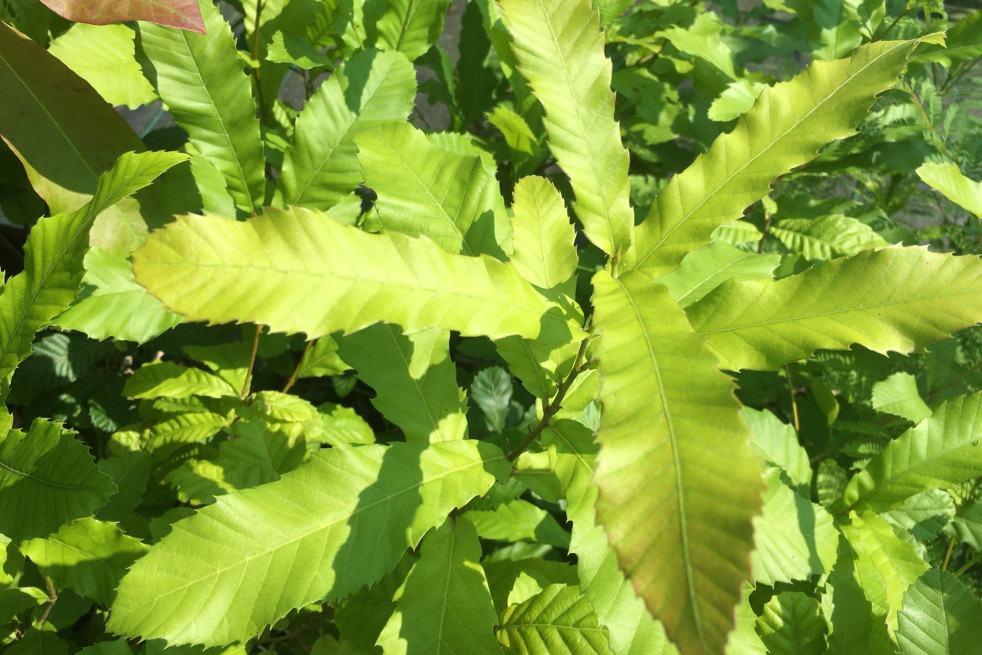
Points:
(794, 403)
(52, 599)
(296, 371)
(557, 402)
(247, 386)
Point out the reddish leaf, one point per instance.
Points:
(182, 14)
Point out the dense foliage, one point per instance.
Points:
(318, 362)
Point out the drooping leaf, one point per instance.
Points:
(794, 538)
(409, 26)
(444, 607)
(544, 251)
(300, 271)
(87, 556)
(672, 460)
(788, 124)
(424, 189)
(415, 380)
(340, 521)
(180, 14)
(200, 79)
(949, 180)
(321, 166)
(570, 76)
(940, 615)
(105, 58)
(898, 395)
(36, 641)
(53, 257)
(112, 305)
(939, 452)
(557, 621)
(792, 624)
(897, 299)
(47, 479)
(710, 266)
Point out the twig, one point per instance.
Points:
(794, 403)
(557, 403)
(296, 371)
(52, 599)
(247, 386)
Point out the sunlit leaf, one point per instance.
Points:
(672, 460)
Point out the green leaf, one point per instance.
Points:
(704, 40)
(298, 52)
(735, 100)
(343, 427)
(87, 556)
(884, 566)
(170, 380)
(112, 305)
(897, 298)
(422, 189)
(777, 444)
(409, 26)
(677, 461)
(557, 621)
(898, 395)
(949, 181)
(130, 472)
(519, 520)
(491, 390)
(35, 642)
(53, 257)
(939, 452)
(788, 124)
(321, 166)
(963, 42)
(415, 380)
(792, 624)
(299, 271)
(200, 79)
(794, 538)
(940, 615)
(544, 251)
(66, 136)
(710, 266)
(444, 607)
(744, 639)
(560, 51)
(631, 629)
(826, 237)
(47, 479)
(852, 617)
(322, 360)
(340, 521)
(180, 14)
(105, 58)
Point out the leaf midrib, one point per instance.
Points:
(676, 461)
